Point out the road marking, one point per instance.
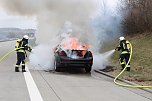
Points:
(32, 88)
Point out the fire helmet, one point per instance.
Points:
(25, 37)
(122, 38)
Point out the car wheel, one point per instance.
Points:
(88, 69)
(55, 66)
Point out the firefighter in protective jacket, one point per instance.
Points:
(124, 46)
(21, 48)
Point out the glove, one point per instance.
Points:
(29, 49)
(116, 48)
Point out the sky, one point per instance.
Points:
(25, 22)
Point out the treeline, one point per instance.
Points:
(137, 16)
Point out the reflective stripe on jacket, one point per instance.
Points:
(124, 46)
(22, 47)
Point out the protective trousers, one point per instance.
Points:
(20, 58)
(124, 58)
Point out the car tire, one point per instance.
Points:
(56, 68)
(87, 69)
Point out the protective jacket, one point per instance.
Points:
(124, 46)
(22, 45)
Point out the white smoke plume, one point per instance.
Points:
(52, 14)
(106, 27)
(107, 23)
(40, 59)
(89, 20)
(102, 60)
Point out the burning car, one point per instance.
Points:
(73, 54)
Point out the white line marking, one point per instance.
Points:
(32, 88)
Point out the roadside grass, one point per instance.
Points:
(141, 62)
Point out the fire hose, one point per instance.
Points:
(115, 80)
(7, 54)
(2, 58)
(126, 85)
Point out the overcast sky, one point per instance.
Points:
(7, 20)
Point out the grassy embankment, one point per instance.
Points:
(141, 62)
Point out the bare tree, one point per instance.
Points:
(137, 17)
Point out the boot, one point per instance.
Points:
(16, 69)
(123, 66)
(23, 69)
(128, 68)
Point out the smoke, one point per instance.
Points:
(102, 60)
(40, 59)
(52, 14)
(42, 56)
(91, 21)
(106, 23)
(106, 26)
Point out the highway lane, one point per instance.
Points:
(87, 87)
(12, 85)
(60, 86)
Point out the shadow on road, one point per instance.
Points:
(71, 70)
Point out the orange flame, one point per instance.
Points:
(73, 43)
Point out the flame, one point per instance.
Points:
(73, 43)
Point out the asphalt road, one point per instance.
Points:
(74, 85)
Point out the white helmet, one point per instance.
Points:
(25, 37)
(121, 38)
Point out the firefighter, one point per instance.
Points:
(21, 48)
(124, 46)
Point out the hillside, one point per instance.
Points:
(14, 33)
(141, 63)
